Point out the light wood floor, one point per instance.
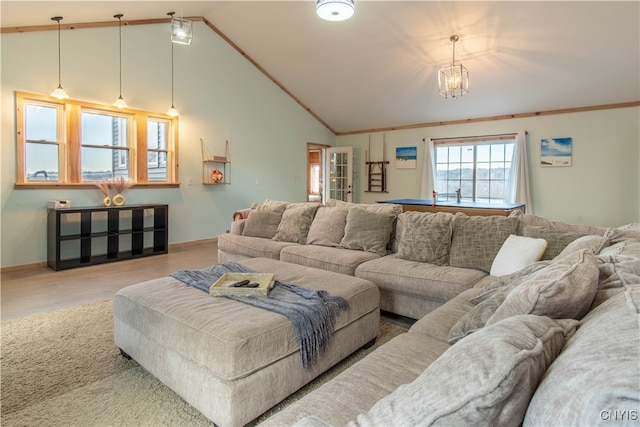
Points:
(40, 289)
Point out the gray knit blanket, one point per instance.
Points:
(312, 313)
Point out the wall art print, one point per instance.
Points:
(406, 157)
(556, 152)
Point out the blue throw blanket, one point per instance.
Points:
(312, 313)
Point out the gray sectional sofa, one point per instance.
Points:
(521, 320)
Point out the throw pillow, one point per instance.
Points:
(327, 228)
(486, 379)
(367, 230)
(263, 221)
(594, 243)
(493, 295)
(557, 240)
(562, 290)
(426, 237)
(477, 239)
(516, 253)
(295, 224)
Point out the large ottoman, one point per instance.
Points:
(229, 360)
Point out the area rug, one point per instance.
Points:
(63, 369)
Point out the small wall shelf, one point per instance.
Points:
(216, 170)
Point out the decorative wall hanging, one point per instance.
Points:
(406, 157)
(556, 152)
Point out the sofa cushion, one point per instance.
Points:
(477, 239)
(263, 221)
(358, 388)
(295, 223)
(422, 283)
(339, 260)
(597, 372)
(557, 240)
(367, 230)
(486, 379)
(327, 228)
(426, 237)
(250, 247)
(516, 253)
(528, 219)
(562, 290)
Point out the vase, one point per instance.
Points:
(119, 200)
(106, 201)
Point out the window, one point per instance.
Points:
(76, 143)
(480, 169)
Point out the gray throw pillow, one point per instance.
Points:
(426, 237)
(295, 224)
(263, 221)
(563, 290)
(485, 379)
(367, 230)
(327, 228)
(556, 240)
(477, 239)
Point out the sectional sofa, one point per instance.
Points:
(521, 320)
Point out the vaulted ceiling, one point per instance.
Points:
(379, 68)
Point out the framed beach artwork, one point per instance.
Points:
(556, 152)
(406, 157)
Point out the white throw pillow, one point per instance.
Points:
(516, 253)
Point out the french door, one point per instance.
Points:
(338, 174)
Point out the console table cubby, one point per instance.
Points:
(78, 237)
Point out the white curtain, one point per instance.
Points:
(428, 171)
(518, 186)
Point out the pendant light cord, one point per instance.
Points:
(120, 37)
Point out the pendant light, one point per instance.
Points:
(335, 10)
(59, 91)
(453, 81)
(172, 110)
(120, 101)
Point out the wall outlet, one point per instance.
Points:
(189, 181)
(579, 218)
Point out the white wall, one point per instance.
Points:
(601, 188)
(219, 94)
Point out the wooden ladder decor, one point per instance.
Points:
(376, 171)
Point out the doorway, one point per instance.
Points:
(315, 172)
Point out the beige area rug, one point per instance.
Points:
(63, 369)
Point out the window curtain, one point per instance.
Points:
(428, 170)
(518, 190)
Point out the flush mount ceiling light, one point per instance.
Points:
(453, 81)
(181, 30)
(335, 10)
(120, 101)
(59, 92)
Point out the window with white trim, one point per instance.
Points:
(70, 142)
(480, 170)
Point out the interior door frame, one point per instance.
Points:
(312, 146)
(326, 181)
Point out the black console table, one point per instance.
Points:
(78, 237)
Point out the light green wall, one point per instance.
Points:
(219, 94)
(601, 188)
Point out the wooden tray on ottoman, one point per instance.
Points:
(224, 285)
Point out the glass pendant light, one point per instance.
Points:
(59, 92)
(120, 101)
